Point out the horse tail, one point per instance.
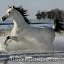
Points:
(59, 26)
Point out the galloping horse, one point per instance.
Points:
(31, 38)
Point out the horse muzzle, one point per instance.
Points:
(3, 18)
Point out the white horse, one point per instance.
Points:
(25, 37)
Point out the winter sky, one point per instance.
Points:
(32, 5)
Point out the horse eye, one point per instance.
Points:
(9, 12)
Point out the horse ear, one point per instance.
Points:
(9, 6)
(13, 7)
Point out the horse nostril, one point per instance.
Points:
(3, 18)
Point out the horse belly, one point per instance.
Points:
(38, 41)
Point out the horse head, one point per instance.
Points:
(8, 13)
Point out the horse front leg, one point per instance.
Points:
(7, 38)
(12, 38)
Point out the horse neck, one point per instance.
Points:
(19, 20)
(19, 23)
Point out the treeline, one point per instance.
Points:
(52, 14)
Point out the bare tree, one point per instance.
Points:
(38, 15)
(43, 14)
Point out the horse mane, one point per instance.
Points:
(23, 12)
(58, 25)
